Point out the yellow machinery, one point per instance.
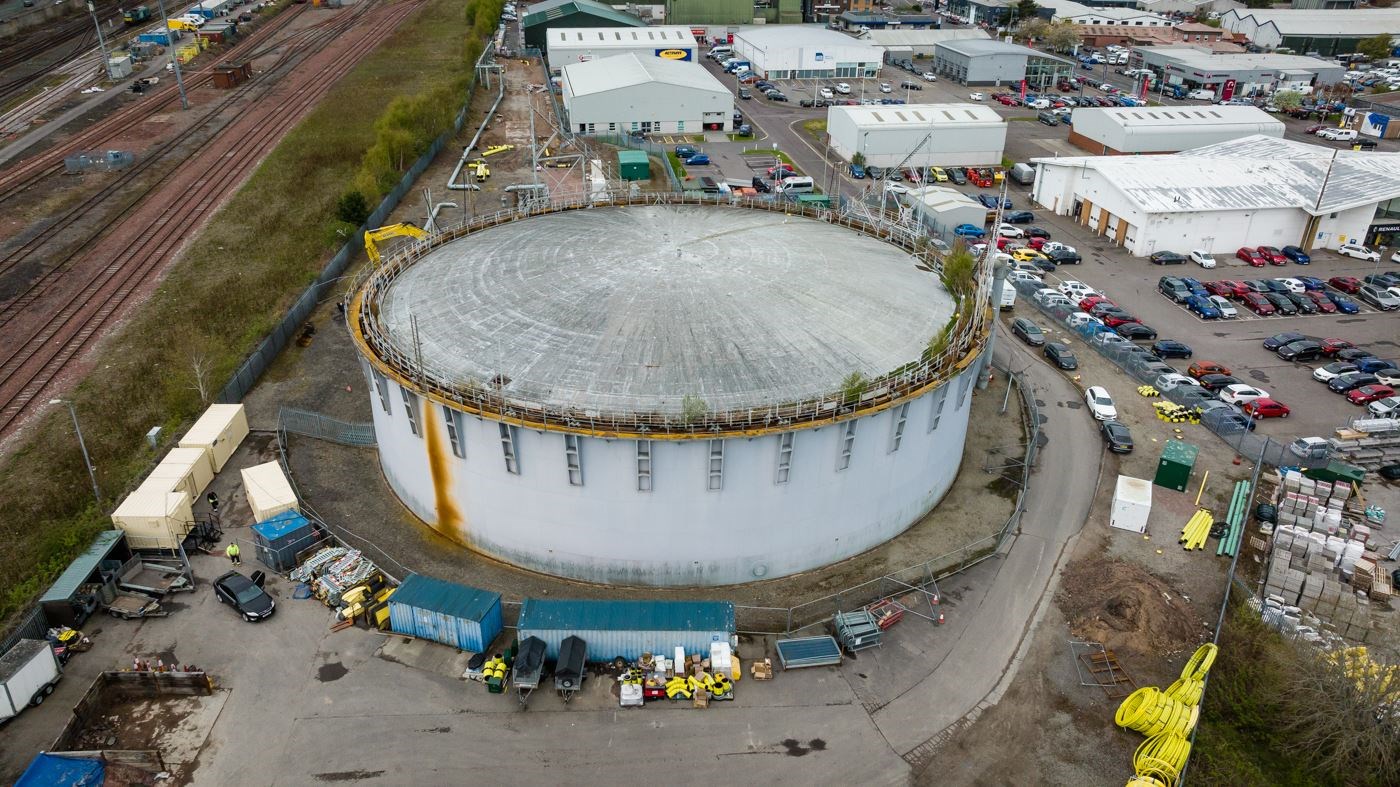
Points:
(372, 237)
(480, 170)
(494, 149)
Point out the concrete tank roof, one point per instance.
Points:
(633, 309)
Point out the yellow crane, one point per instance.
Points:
(372, 237)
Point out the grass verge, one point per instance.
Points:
(227, 291)
(785, 158)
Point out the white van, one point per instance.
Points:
(800, 184)
(1008, 296)
(1201, 94)
(720, 51)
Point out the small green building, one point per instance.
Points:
(571, 13)
(1174, 469)
(633, 165)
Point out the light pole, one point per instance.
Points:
(92, 473)
(101, 42)
(174, 57)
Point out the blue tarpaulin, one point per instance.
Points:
(55, 770)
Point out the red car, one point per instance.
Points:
(1369, 393)
(1221, 288)
(1266, 408)
(1252, 257)
(1257, 303)
(1332, 346)
(1037, 242)
(1094, 300)
(1324, 304)
(1347, 284)
(784, 167)
(1313, 129)
(1273, 255)
(1115, 320)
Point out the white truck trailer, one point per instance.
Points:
(28, 673)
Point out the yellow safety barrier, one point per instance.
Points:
(1197, 530)
(1151, 712)
(1200, 662)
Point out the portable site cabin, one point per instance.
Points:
(627, 629)
(219, 431)
(187, 470)
(269, 491)
(1132, 503)
(154, 517)
(464, 617)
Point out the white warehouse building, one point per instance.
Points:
(805, 52)
(1255, 191)
(1116, 130)
(629, 92)
(918, 135)
(623, 395)
(568, 45)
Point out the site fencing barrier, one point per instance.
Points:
(323, 427)
(1226, 422)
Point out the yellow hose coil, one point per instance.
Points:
(1200, 662)
(1151, 712)
(1186, 691)
(1145, 781)
(1162, 753)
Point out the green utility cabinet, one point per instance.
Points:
(1337, 471)
(1174, 469)
(633, 165)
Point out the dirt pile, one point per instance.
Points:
(1127, 608)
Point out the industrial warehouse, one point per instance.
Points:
(828, 392)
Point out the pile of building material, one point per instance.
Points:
(1371, 443)
(857, 630)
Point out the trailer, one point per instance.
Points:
(29, 671)
(153, 577)
(568, 670)
(130, 606)
(525, 672)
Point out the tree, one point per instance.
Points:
(1376, 47)
(958, 269)
(1288, 99)
(352, 208)
(858, 159)
(1259, 3)
(853, 387)
(1063, 37)
(1025, 9)
(1033, 28)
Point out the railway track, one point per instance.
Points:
(31, 364)
(77, 31)
(60, 227)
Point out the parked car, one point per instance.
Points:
(1171, 348)
(1282, 304)
(1301, 350)
(1051, 245)
(1200, 369)
(1265, 408)
(1018, 216)
(1272, 255)
(1116, 317)
(1344, 304)
(1382, 279)
(699, 159)
(1087, 304)
(1100, 403)
(1029, 332)
(1378, 297)
(1202, 258)
(1251, 256)
(858, 171)
(1117, 436)
(1171, 380)
(1227, 310)
(1214, 382)
(1389, 407)
(1136, 331)
(1345, 382)
(1258, 304)
(1347, 284)
(1173, 288)
(1312, 283)
(1063, 257)
(1328, 372)
(969, 231)
(989, 201)
(1060, 355)
(1388, 376)
(1358, 251)
(909, 85)
(1321, 302)
(1302, 303)
(1203, 307)
(1365, 394)
(1296, 254)
(1227, 421)
(684, 152)
(1373, 364)
(1354, 354)
(1010, 231)
(1167, 258)
(245, 595)
(957, 176)
(1241, 393)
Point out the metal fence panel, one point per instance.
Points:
(324, 427)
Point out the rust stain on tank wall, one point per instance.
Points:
(449, 517)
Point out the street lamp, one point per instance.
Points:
(101, 42)
(92, 473)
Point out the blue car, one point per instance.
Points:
(1373, 365)
(1312, 283)
(1296, 254)
(857, 171)
(969, 231)
(1194, 286)
(1201, 305)
(990, 202)
(697, 159)
(1344, 304)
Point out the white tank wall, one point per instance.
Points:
(680, 533)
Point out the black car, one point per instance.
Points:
(1061, 356)
(1281, 303)
(1043, 264)
(1227, 420)
(1063, 257)
(1171, 348)
(908, 85)
(1194, 396)
(1119, 439)
(1167, 258)
(1037, 232)
(1136, 332)
(1274, 285)
(1214, 382)
(1354, 354)
(806, 102)
(761, 186)
(956, 175)
(776, 97)
(745, 93)
(1304, 305)
(1018, 217)
(1345, 382)
(246, 594)
(1301, 350)
(1029, 332)
(1280, 339)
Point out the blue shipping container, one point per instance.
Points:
(464, 617)
(279, 538)
(627, 629)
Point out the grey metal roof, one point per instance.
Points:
(974, 47)
(1325, 22)
(626, 70)
(570, 615)
(82, 567)
(920, 115)
(1250, 173)
(449, 598)
(633, 309)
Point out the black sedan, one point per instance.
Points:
(956, 175)
(1171, 348)
(1304, 304)
(1281, 303)
(1167, 258)
(1037, 232)
(1345, 382)
(1301, 350)
(1136, 332)
(1214, 382)
(1119, 439)
(245, 594)
(1354, 354)
(1227, 420)
(1280, 339)
(1029, 332)
(1018, 217)
(1060, 355)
